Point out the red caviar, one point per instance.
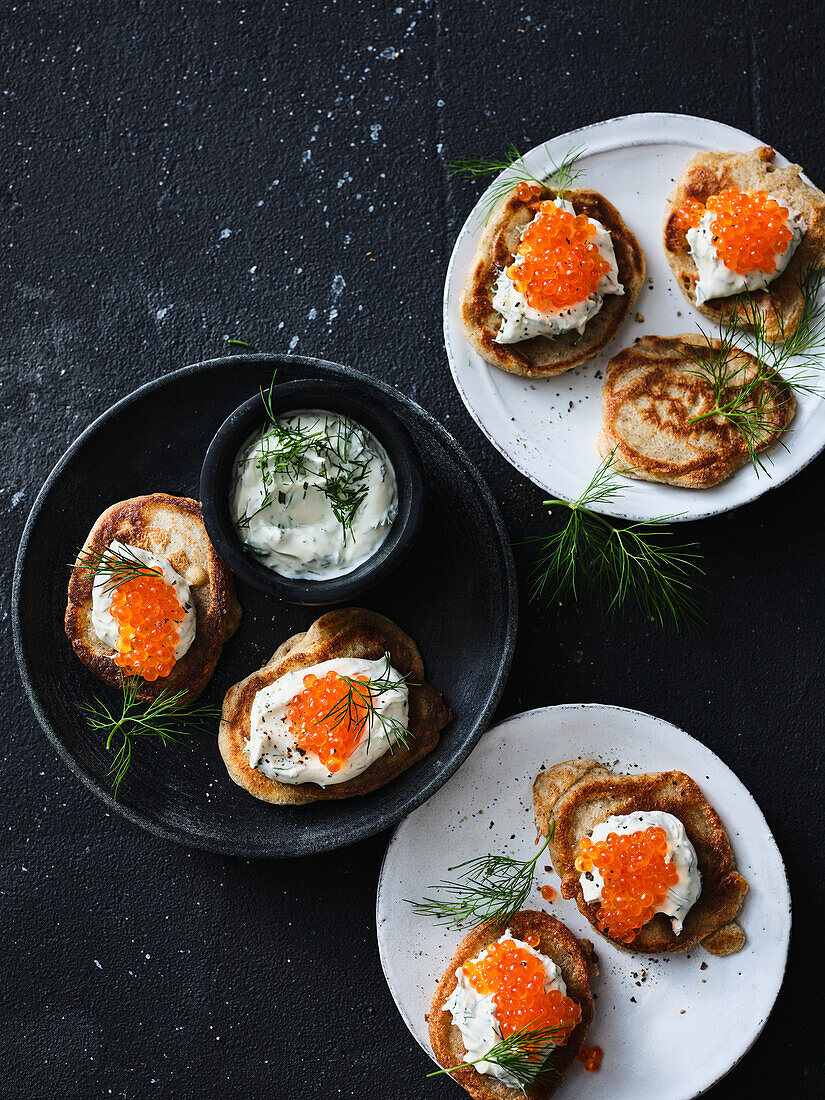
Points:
(516, 978)
(561, 265)
(548, 893)
(328, 717)
(147, 612)
(592, 1058)
(748, 228)
(636, 874)
(526, 192)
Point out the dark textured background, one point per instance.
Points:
(176, 175)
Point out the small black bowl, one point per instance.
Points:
(365, 406)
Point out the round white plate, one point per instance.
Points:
(669, 1029)
(547, 428)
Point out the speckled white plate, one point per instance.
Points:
(547, 429)
(669, 1029)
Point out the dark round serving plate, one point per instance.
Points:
(455, 594)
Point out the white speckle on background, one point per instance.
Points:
(293, 343)
(375, 130)
(18, 496)
(338, 286)
(98, 965)
(161, 313)
(225, 233)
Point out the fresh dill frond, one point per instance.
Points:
(633, 563)
(523, 1055)
(491, 888)
(117, 566)
(357, 707)
(749, 400)
(752, 401)
(559, 176)
(240, 343)
(164, 717)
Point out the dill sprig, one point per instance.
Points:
(117, 566)
(491, 888)
(559, 177)
(315, 450)
(752, 400)
(163, 717)
(749, 400)
(631, 563)
(357, 707)
(523, 1055)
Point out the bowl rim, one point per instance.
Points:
(371, 412)
(240, 848)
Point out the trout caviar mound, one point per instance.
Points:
(554, 273)
(749, 228)
(637, 874)
(575, 796)
(328, 718)
(345, 632)
(559, 265)
(147, 613)
(739, 189)
(518, 978)
(146, 610)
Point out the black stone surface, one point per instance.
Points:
(177, 175)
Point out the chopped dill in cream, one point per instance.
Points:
(313, 494)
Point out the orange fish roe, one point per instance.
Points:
(527, 191)
(636, 874)
(690, 214)
(748, 229)
(548, 893)
(147, 613)
(561, 265)
(516, 978)
(592, 1058)
(328, 718)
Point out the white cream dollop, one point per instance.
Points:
(718, 281)
(271, 746)
(680, 851)
(521, 321)
(285, 516)
(474, 1013)
(103, 622)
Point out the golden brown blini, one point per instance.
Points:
(346, 632)
(707, 174)
(542, 356)
(578, 794)
(171, 527)
(577, 962)
(652, 392)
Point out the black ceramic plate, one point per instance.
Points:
(455, 594)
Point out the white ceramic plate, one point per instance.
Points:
(547, 429)
(668, 1028)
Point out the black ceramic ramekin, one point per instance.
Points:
(360, 403)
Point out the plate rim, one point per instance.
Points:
(560, 708)
(763, 485)
(481, 718)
